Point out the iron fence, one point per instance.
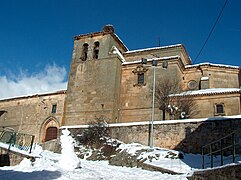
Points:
(18, 140)
(225, 149)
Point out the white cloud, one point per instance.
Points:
(51, 79)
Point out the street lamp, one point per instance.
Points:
(164, 66)
(154, 64)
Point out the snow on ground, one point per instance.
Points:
(166, 159)
(47, 167)
(51, 165)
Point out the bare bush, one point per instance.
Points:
(96, 134)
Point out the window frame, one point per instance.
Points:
(140, 73)
(218, 107)
(141, 78)
(54, 109)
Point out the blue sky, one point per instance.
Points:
(38, 34)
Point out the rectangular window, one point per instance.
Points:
(219, 109)
(54, 108)
(141, 78)
(204, 83)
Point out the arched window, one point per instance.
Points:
(85, 52)
(96, 50)
(51, 133)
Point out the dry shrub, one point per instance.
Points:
(96, 134)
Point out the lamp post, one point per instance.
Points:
(164, 66)
(154, 64)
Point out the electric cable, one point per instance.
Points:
(210, 33)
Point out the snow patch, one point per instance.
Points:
(209, 91)
(211, 64)
(204, 78)
(132, 148)
(154, 48)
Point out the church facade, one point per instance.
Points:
(108, 80)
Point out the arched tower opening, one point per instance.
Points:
(85, 51)
(96, 50)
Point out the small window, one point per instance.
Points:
(96, 50)
(141, 78)
(204, 83)
(139, 73)
(54, 108)
(85, 52)
(219, 109)
(192, 85)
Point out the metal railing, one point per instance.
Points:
(18, 140)
(227, 147)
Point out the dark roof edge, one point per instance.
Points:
(101, 33)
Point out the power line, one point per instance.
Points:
(210, 33)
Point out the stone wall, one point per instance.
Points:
(206, 104)
(94, 83)
(217, 76)
(52, 145)
(93, 92)
(136, 99)
(33, 114)
(10, 158)
(231, 172)
(184, 135)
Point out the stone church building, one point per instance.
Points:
(108, 80)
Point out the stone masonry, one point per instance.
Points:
(186, 136)
(108, 80)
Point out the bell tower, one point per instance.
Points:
(94, 78)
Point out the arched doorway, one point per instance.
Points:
(49, 129)
(51, 133)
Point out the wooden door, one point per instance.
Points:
(51, 133)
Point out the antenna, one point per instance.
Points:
(159, 41)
